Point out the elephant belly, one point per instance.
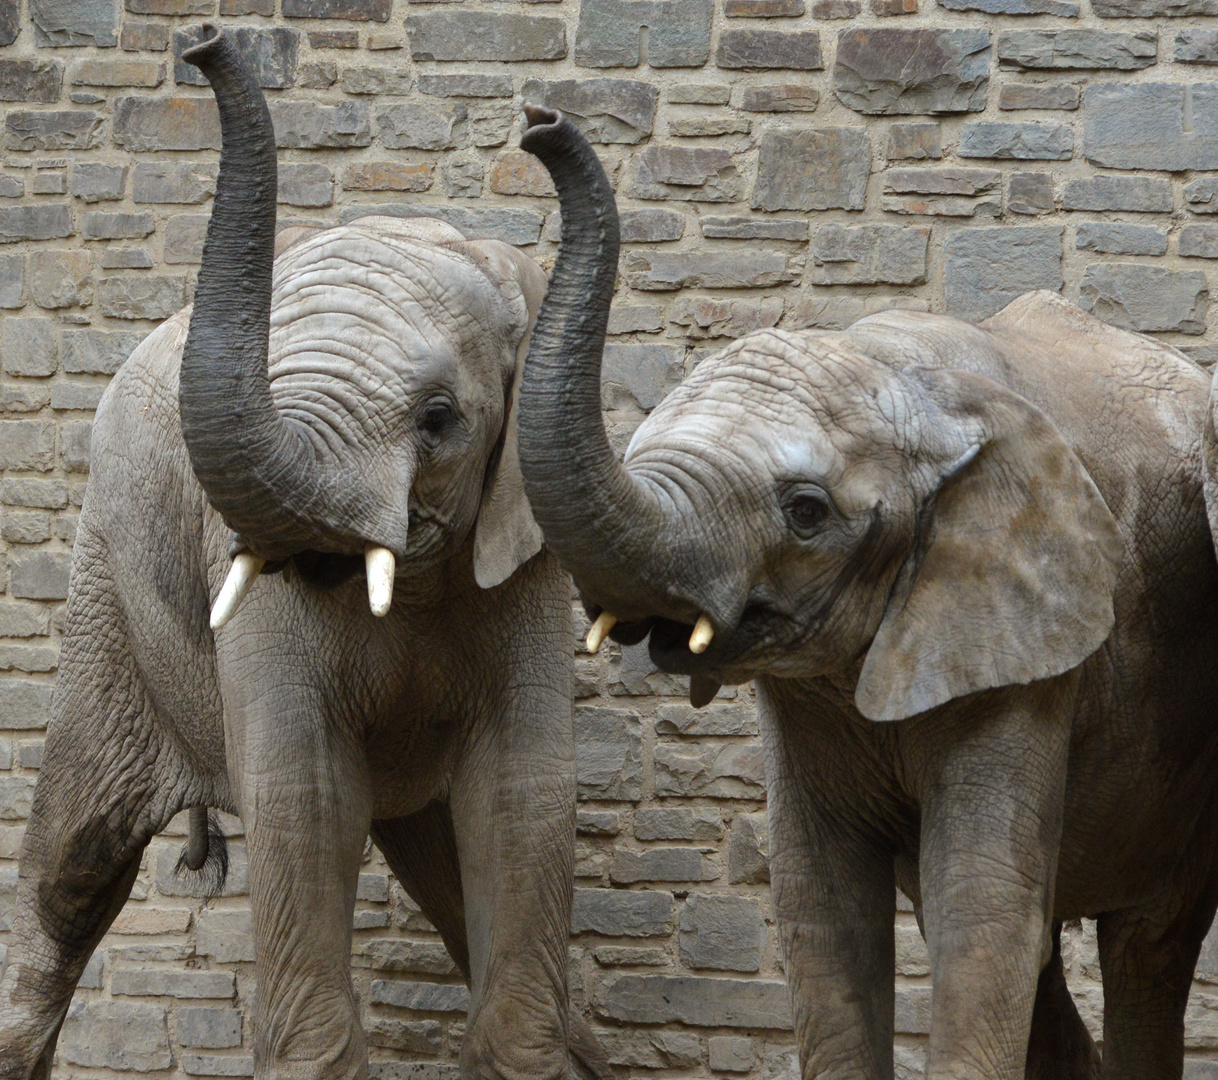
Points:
(410, 765)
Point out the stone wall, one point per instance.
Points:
(793, 162)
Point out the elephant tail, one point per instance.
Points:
(205, 855)
(587, 1055)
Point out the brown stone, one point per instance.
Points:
(760, 49)
(780, 98)
(116, 73)
(334, 39)
(388, 176)
(914, 141)
(247, 7)
(516, 172)
(763, 9)
(172, 7)
(1040, 96)
(894, 7)
(355, 10)
(144, 37)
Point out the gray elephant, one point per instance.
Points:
(969, 571)
(379, 446)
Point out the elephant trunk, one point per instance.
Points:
(605, 526)
(259, 471)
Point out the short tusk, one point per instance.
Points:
(700, 639)
(379, 565)
(600, 630)
(245, 570)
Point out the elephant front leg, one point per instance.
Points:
(992, 788)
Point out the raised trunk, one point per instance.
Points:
(605, 526)
(259, 471)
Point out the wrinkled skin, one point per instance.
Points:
(969, 571)
(444, 728)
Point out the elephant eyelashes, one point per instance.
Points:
(806, 511)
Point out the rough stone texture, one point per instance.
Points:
(1146, 298)
(1015, 141)
(819, 169)
(884, 71)
(30, 80)
(1031, 193)
(1197, 45)
(722, 932)
(985, 269)
(173, 182)
(76, 130)
(761, 49)
(75, 22)
(1038, 96)
(1152, 9)
(610, 31)
(1169, 126)
(868, 255)
(1078, 49)
(116, 1035)
(270, 54)
(484, 35)
(694, 174)
(1143, 194)
(1117, 238)
(606, 110)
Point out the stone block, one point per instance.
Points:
(1018, 141)
(74, 444)
(697, 1001)
(750, 49)
(420, 996)
(658, 270)
(376, 81)
(1137, 194)
(629, 956)
(30, 80)
(725, 719)
(1197, 45)
(397, 955)
(461, 179)
(609, 33)
(29, 347)
(143, 124)
(1031, 193)
(1082, 48)
(355, 10)
(912, 959)
(1038, 96)
(12, 281)
(97, 352)
(1117, 238)
(1152, 9)
(122, 1035)
(485, 35)
(1066, 9)
(144, 37)
(661, 864)
(108, 73)
(225, 936)
(730, 1053)
(912, 1011)
(306, 125)
(633, 319)
(24, 705)
(509, 224)
(71, 395)
(27, 444)
(157, 982)
(515, 172)
(49, 182)
(94, 182)
(174, 181)
(75, 23)
(184, 236)
(763, 9)
(468, 84)
(884, 71)
(779, 98)
(652, 1049)
(678, 823)
(605, 110)
(56, 130)
(389, 176)
(16, 794)
(1135, 296)
(48, 494)
(418, 1070)
(755, 228)
(723, 932)
(609, 753)
(868, 255)
(412, 1037)
(986, 268)
(689, 174)
(99, 225)
(913, 142)
(424, 126)
(318, 75)
(147, 296)
(60, 279)
(731, 771)
(816, 169)
(270, 54)
(748, 853)
(1201, 196)
(651, 226)
(172, 7)
(622, 913)
(597, 823)
(644, 373)
(701, 317)
(24, 620)
(1153, 125)
(305, 184)
(209, 1029)
(10, 22)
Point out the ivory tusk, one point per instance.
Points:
(600, 630)
(245, 570)
(379, 565)
(700, 639)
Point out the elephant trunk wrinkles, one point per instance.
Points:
(603, 524)
(258, 470)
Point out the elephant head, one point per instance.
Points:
(354, 398)
(801, 506)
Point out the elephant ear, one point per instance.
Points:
(1013, 578)
(505, 535)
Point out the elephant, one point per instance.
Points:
(340, 418)
(968, 570)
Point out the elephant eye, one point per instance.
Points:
(806, 511)
(436, 418)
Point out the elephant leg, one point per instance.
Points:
(992, 798)
(1060, 1046)
(513, 807)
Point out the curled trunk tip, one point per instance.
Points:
(203, 49)
(539, 116)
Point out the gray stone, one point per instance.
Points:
(485, 35)
(732, 771)
(99, 225)
(12, 281)
(24, 620)
(1038, 96)
(1137, 194)
(730, 1053)
(1197, 45)
(24, 706)
(912, 1011)
(986, 268)
(677, 823)
(763, 9)
(58, 130)
(174, 181)
(49, 182)
(309, 126)
(305, 184)
(356, 10)
(470, 84)
(1018, 141)
(226, 936)
(74, 443)
(143, 124)
(29, 347)
(734, 719)
(171, 7)
(701, 1002)
(1031, 193)
(394, 955)
(622, 913)
(411, 1036)
(71, 395)
(97, 352)
(116, 1035)
(1117, 238)
(634, 319)
(49, 494)
(779, 98)
(16, 792)
(629, 956)
(11, 187)
(1168, 126)
(421, 996)
(418, 1070)
(75, 22)
(318, 75)
(817, 169)
(126, 259)
(661, 864)
(1065, 9)
(154, 982)
(726, 933)
(868, 255)
(651, 226)
(172, 882)
(1152, 9)
(698, 94)
(1201, 196)
(746, 228)
(1135, 296)
(1199, 241)
(147, 296)
(835, 9)
(605, 110)
(270, 55)
(376, 81)
(885, 70)
(748, 852)
(609, 753)
(652, 1049)
(750, 49)
(209, 1029)
(218, 1064)
(424, 126)
(509, 224)
(656, 270)
(643, 372)
(1085, 49)
(10, 21)
(609, 32)
(60, 279)
(144, 37)
(700, 317)
(184, 236)
(597, 823)
(691, 174)
(110, 73)
(461, 179)
(94, 182)
(30, 80)
(913, 142)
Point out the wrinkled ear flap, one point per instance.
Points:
(1014, 577)
(506, 536)
(292, 235)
